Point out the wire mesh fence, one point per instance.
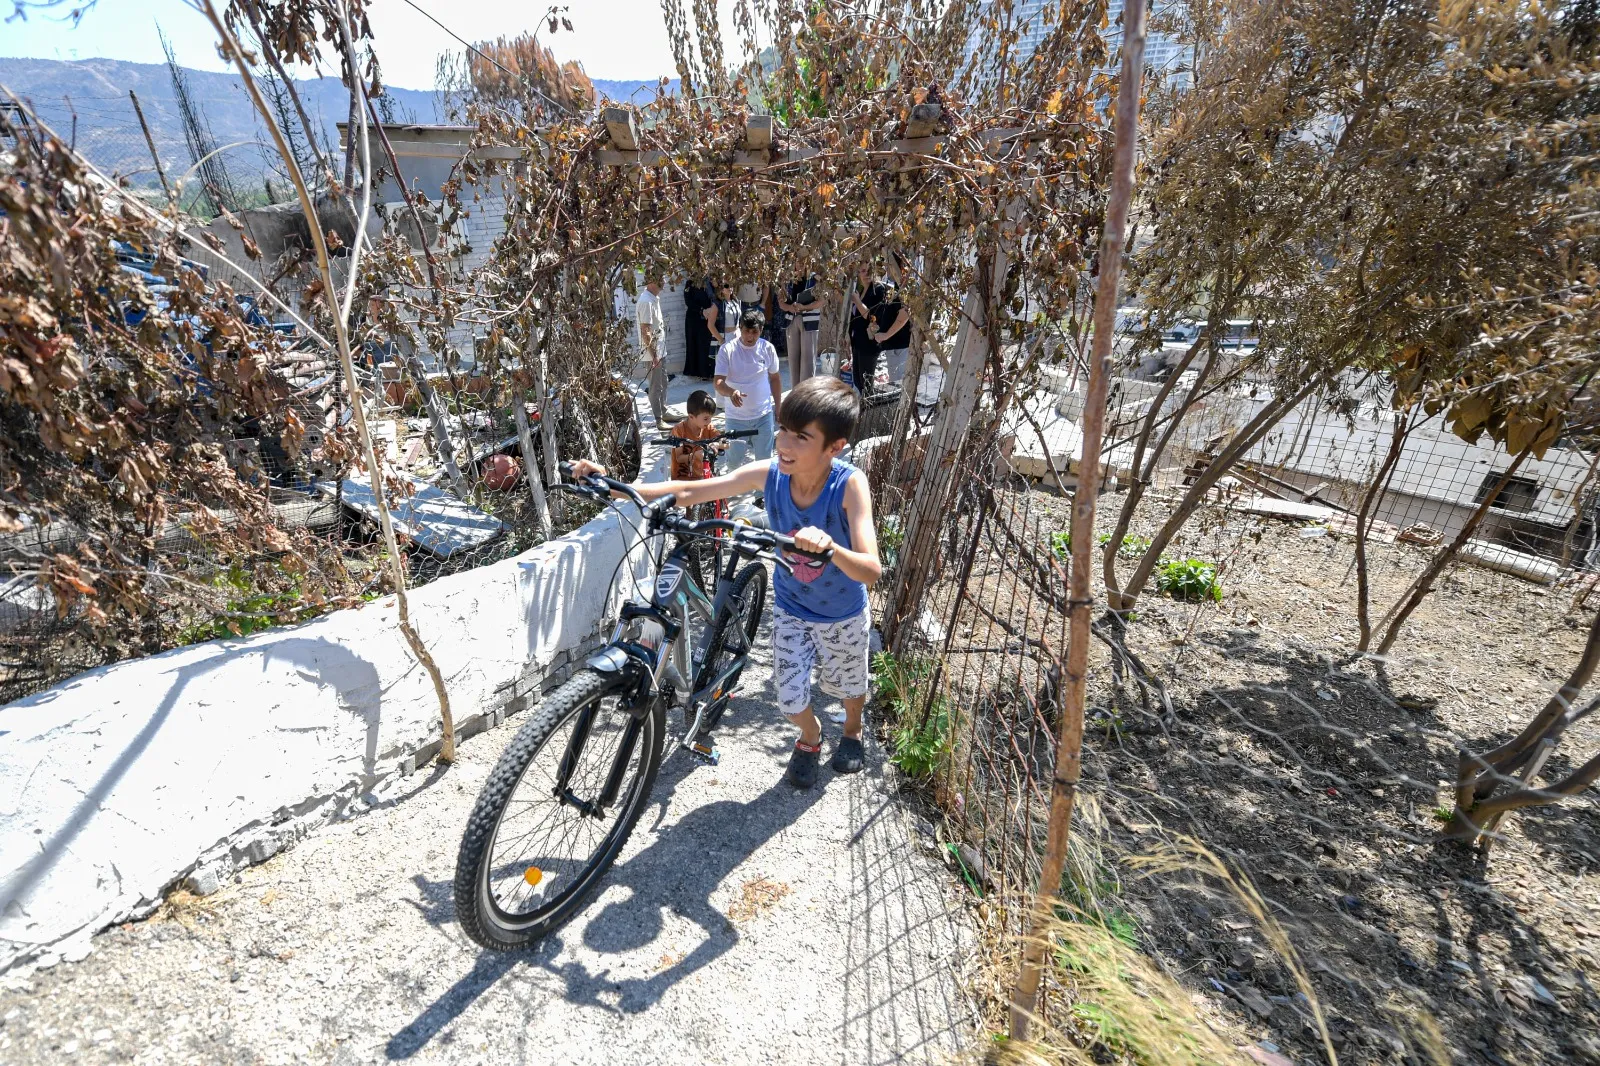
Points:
(1262, 805)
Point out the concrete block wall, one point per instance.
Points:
(126, 780)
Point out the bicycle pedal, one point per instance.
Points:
(706, 753)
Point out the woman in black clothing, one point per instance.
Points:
(697, 357)
(890, 328)
(863, 349)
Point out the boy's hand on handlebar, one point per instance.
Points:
(812, 539)
(582, 468)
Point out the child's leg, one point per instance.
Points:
(842, 659)
(811, 729)
(854, 708)
(794, 655)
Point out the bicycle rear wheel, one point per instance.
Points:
(704, 552)
(555, 812)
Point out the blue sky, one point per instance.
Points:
(623, 39)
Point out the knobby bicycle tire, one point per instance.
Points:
(476, 910)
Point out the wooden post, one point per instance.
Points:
(1069, 748)
(149, 140)
(530, 463)
(622, 127)
(958, 404)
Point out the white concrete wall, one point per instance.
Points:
(123, 780)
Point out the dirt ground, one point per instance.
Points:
(1299, 763)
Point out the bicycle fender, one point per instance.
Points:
(630, 665)
(611, 660)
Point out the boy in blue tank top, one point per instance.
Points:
(820, 622)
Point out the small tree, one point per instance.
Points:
(1385, 193)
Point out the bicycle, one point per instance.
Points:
(706, 553)
(578, 773)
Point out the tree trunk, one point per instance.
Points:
(1477, 776)
(1374, 493)
(547, 421)
(918, 557)
(1247, 438)
(231, 49)
(443, 446)
(1423, 584)
(1069, 748)
(1141, 475)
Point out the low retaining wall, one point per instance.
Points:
(193, 763)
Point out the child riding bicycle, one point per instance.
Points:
(821, 621)
(687, 463)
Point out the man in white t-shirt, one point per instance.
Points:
(652, 337)
(747, 374)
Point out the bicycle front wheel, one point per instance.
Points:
(555, 812)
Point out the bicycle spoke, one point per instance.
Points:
(545, 843)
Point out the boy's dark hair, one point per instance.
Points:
(827, 401)
(752, 320)
(700, 403)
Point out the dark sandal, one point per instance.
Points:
(847, 757)
(802, 772)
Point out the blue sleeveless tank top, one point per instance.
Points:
(817, 592)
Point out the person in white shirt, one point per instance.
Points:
(747, 374)
(652, 336)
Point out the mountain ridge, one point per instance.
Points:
(108, 134)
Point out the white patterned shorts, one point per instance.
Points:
(837, 651)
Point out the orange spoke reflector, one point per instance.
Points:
(533, 875)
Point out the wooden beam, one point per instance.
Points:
(611, 157)
(623, 127)
(757, 132)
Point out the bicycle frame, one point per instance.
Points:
(652, 651)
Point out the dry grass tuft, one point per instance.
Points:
(1121, 1005)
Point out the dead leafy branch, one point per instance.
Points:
(1451, 270)
(339, 24)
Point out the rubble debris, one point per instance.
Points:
(1510, 561)
(435, 521)
(1272, 508)
(1422, 534)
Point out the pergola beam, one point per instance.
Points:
(623, 127)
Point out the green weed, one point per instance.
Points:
(1192, 580)
(250, 608)
(921, 734)
(1129, 548)
(919, 750)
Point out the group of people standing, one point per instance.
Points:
(736, 336)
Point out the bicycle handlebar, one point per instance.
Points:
(761, 538)
(660, 513)
(678, 442)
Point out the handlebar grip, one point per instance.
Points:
(787, 544)
(742, 434)
(566, 469)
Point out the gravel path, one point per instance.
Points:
(746, 922)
